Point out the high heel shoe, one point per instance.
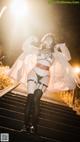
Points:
(23, 129)
(33, 130)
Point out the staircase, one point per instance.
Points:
(57, 123)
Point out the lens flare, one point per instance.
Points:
(18, 8)
(77, 70)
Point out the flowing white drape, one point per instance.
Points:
(61, 72)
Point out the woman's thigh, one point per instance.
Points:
(43, 83)
(31, 82)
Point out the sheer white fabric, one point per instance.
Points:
(61, 72)
(64, 50)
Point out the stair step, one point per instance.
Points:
(57, 123)
(44, 114)
(15, 94)
(11, 106)
(46, 107)
(54, 117)
(14, 98)
(51, 133)
(45, 122)
(16, 136)
(60, 126)
(17, 97)
(57, 134)
(10, 122)
(12, 114)
(20, 115)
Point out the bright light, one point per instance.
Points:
(2, 10)
(77, 70)
(18, 8)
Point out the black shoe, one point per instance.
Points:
(33, 130)
(23, 129)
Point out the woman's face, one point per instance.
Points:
(48, 41)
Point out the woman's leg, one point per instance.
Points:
(27, 113)
(36, 104)
(42, 85)
(31, 86)
(28, 109)
(36, 107)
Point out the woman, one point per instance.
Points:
(37, 82)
